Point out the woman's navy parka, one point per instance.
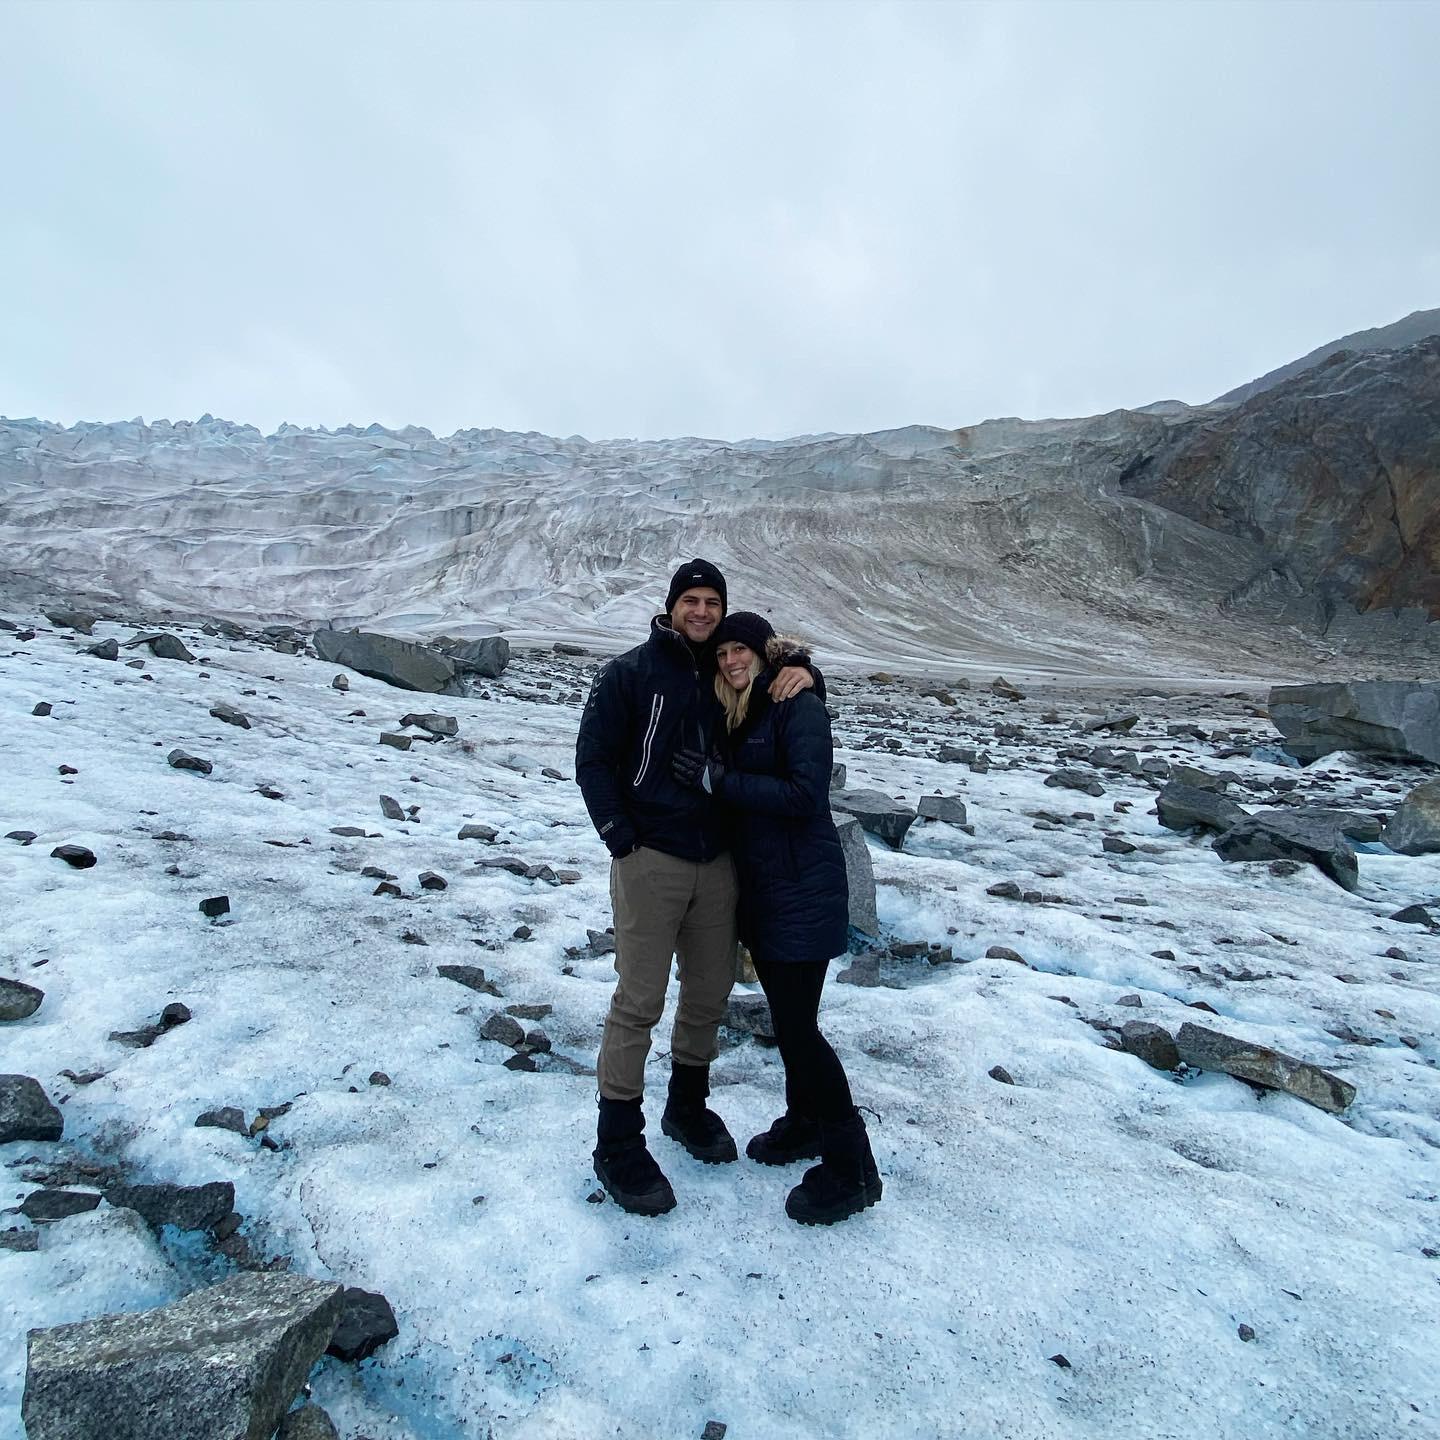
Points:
(794, 900)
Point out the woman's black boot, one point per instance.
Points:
(844, 1183)
(623, 1164)
(790, 1138)
(702, 1132)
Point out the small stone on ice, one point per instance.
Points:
(177, 759)
(215, 907)
(76, 856)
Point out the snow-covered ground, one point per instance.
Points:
(1096, 1209)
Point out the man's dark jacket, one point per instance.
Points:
(645, 705)
(794, 899)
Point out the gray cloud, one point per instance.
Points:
(718, 219)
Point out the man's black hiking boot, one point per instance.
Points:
(844, 1183)
(623, 1164)
(632, 1179)
(701, 1131)
(790, 1138)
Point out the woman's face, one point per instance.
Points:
(738, 663)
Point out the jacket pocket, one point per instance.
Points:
(657, 704)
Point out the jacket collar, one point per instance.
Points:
(669, 641)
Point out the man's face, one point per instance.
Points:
(696, 613)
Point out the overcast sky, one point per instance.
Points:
(721, 219)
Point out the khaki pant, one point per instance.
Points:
(667, 907)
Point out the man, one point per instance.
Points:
(672, 883)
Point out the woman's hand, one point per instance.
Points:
(696, 771)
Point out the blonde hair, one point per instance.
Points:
(737, 702)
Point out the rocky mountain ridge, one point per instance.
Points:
(1291, 536)
(1414, 327)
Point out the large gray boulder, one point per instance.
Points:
(382, 657)
(221, 1364)
(486, 658)
(1292, 835)
(1414, 829)
(859, 874)
(18, 1000)
(886, 819)
(949, 808)
(1211, 1050)
(186, 1207)
(1187, 807)
(1400, 718)
(26, 1112)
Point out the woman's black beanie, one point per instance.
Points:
(748, 628)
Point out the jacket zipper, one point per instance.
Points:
(657, 704)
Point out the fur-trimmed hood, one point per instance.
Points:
(786, 649)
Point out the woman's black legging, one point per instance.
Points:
(815, 1083)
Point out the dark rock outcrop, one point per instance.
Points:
(1292, 835)
(1399, 718)
(1333, 475)
(397, 662)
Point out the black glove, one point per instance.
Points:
(697, 772)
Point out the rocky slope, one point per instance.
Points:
(1165, 542)
(1333, 476)
(1414, 327)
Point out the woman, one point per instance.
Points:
(794, 902)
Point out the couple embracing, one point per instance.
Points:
(704, 757)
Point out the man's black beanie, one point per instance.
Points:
(691, 574)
